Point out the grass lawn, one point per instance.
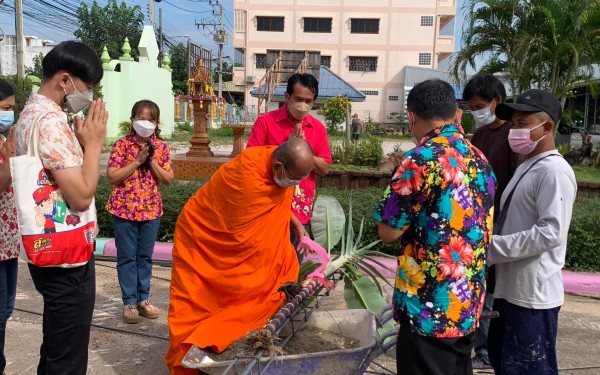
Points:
(587, 174)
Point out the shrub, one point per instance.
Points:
(365, 152)
(124, 128)
(174, 197)
(582, 248)
(467, 123)
(185, 127)
(584, 236)
(22, 88)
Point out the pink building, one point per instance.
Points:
(367, 43)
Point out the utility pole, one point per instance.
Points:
(151, 12)
(20, 37)
(220, 37)
(160, 38)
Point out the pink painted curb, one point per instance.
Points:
(574, 282)
(162, 250)
(581, 282)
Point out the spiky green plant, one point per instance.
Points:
(357, 262)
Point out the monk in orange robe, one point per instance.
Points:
(232, 249)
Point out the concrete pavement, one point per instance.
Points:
(119, 348)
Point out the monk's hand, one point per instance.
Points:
(304, 248)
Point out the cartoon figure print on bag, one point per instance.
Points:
(50, 206)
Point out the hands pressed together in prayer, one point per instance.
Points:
(298, 132)
(7, 145)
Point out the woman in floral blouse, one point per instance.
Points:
(9, 231)
(138, 162)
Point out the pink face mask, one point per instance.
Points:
(520, 141)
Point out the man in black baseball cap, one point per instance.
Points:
(532, 101)
(529, 249)
(534, 117)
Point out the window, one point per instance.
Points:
(317, 25)
(426, 20)
(269, 23)
(239, 57)
(363, 64)
(326, 60)
(393, 98)
(261, 61)
(364, 26)
(425, 58)
(370, 92)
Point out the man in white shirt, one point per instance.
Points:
(529, 249)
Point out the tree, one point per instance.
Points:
(179, 63)
(334, 111)
(548, 44)
(37, 69)
(560, 41)
(22, 88)
(490, 32)
(108, 26)
(227, 72)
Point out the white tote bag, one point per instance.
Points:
(52, 235)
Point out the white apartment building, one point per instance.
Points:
(367, 43)
(32, 47)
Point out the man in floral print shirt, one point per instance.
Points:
(440, 206)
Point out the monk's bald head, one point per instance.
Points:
(297, 156)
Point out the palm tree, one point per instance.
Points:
(559, 39)
(548, 44)
(490, 32)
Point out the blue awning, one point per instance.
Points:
(330, 85)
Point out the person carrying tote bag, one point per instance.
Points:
(67, 183)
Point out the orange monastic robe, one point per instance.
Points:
(232, 252)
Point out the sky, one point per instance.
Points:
(179, 19)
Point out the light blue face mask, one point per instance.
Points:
(7, 119)
(286, 181)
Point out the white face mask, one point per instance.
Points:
(78, 100)
(144, 128)
(484, 116)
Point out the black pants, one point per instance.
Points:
(422, 355)
(69, 295)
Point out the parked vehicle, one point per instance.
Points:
(574, 136)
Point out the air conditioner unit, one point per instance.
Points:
(250, 79)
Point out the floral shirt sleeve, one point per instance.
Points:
(163, 157)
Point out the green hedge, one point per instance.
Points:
(583, 248)
(174, 197)
(583, 245)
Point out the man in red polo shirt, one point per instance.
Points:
(293, 120)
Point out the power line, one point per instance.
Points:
(187, 10)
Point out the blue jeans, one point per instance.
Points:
(522, 341)
(8, 290)
(295, 241)
(135, 244)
